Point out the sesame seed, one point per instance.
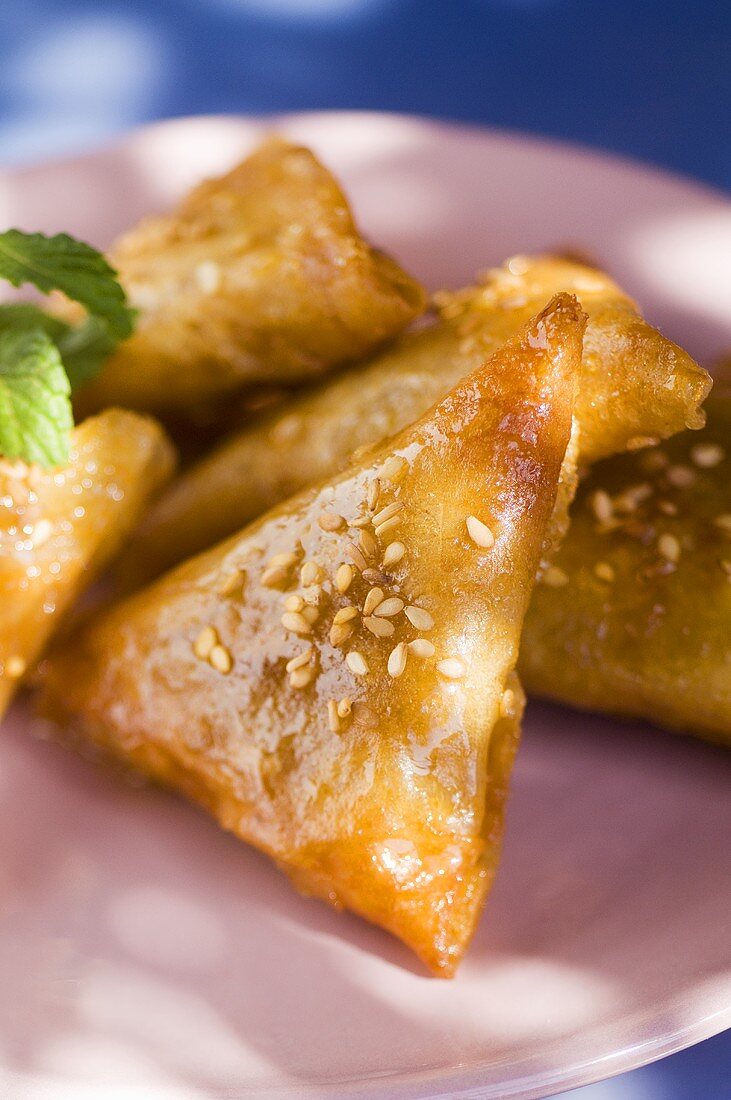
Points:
(332, 716)
(357, 663)
(311, 595)
(452, 668)
(340, 633)
(375, 576)
(372, 600)
(343, 577)
(507, 704)
(301, 677)
(723, 522)
(604, 571)
(14, 667)
(275, 576)
(397, 660)
(310, 614)
(480, 533)
(367, 543)
(374, 491)
(389, 607)
(393, 553)
(286, 429)
(630, 499)
(293, 603)
(357, 558)
(707, 455)
(554, 577)
(389, 525)
(220, 659)
(680, 477)
(205, 642)
(310, 573)
(285, 561)
(300, 660)
(345, 614)
(208, 277)
(419, 618)
(669, 547)
(420, 647)
(394, 468)
(360, 521)
(388, 512)
(382, 628)
(601, 504)
(654, 461)
(667, 507)
(329, 521)
(296, 622)
(232, 585)
(345, 706)
(639, 442)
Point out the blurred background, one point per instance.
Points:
(645, 78)
(651, 78)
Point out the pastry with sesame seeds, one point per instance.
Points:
(635, 386)
(373, 771)
(642, 626)
(259, 277)
(60, 527)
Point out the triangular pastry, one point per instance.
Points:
(257, 277)
(336, 683)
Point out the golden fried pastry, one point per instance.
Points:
(60, 527)
(257, 277)
(635, 386)
(634, 617)
(335, 684)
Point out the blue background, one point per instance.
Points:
(650, 78)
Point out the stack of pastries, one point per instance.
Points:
(319, 628)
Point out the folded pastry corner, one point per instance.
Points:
(634, 615)
(336, 683)
(637, 387)
(257, 277)
(60, 527)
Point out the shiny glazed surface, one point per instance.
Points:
(638, 619)
(374, 767)
(635, 385)
(258, 276)
(59, 528)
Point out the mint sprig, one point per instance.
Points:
(35, 406)
(42, 357)
(71, 266)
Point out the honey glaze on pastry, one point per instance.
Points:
(59, 527)
(634, 616)
(336, 683)
(259, 276)
(636, 387)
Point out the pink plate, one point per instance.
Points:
(145, 955)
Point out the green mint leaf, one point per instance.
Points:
(35, 403)
(84, 349)
(24, 316)
(76, 269)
